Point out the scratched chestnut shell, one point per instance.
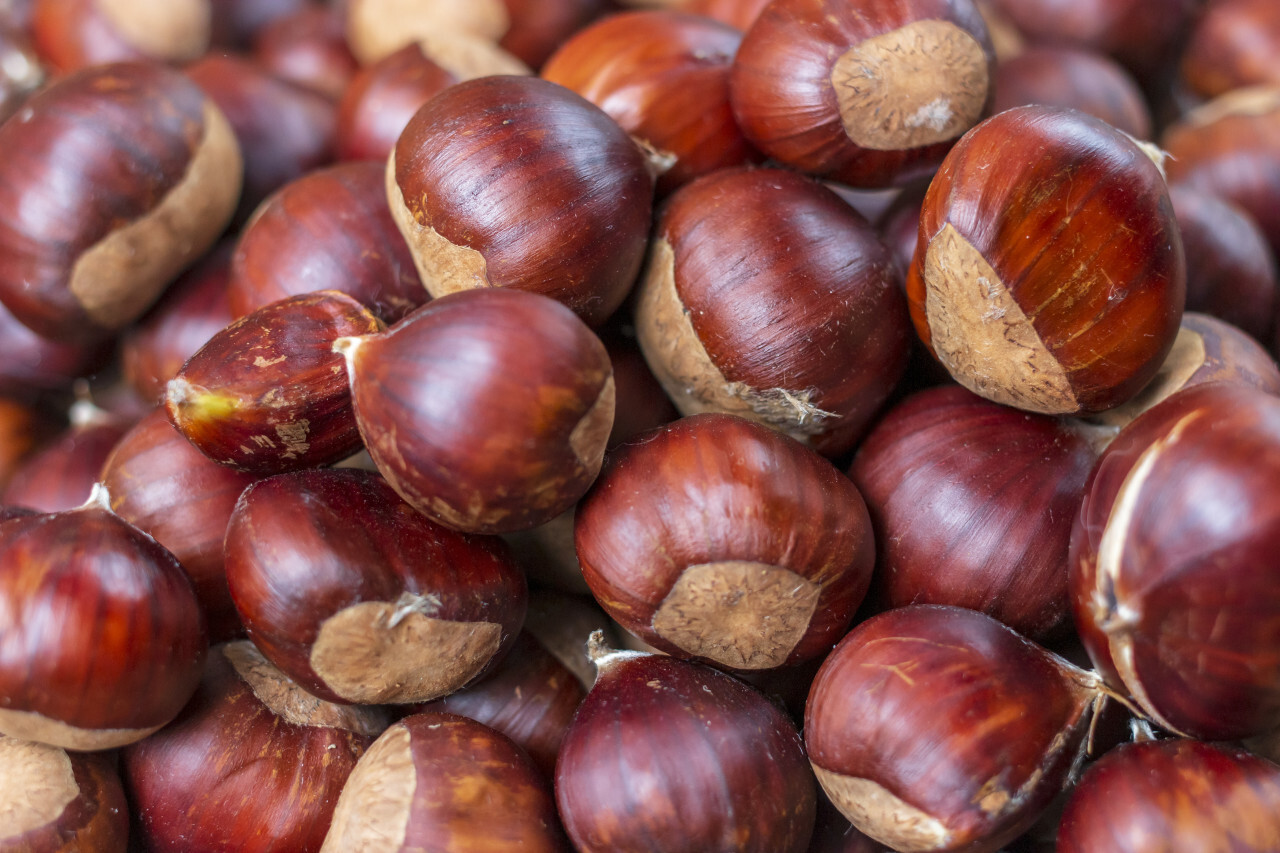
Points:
(267, 394)
(1173, 562)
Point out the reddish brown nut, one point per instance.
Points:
(1235, 43)
(518, 183)
(54, 801)
(376, 28)
(359, 598)
(160, 483)
(739, 14)
(130, 641)
(538, 27)
(114, 179)
(1073, 78)
(380, 100)
(22, 428)
(972, 505)
(60, 475)
(869, 94)
(670, 755)
(664, 77)
(328, 230)
(309, 48)
(1049, 273)
(487, 410)
(236, 23)
(37, 365)
(716, 538)
(1171, 560)
(939, 729)
(768, 297)
(1183, 794)
(253, 764)
(561, 622)
(72, 34)
(437, 781)
(267, 394)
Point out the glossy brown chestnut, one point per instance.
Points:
(437, 781)
(1171, 560)
(60, 475)
(54, 801)
(161, 484)
(1235, 43)
(359, 598)
(487, 410)
(664, 77)
(1073, 78)
(376, 28)
(768, 297)
(940, 729)
(1049, 274)
(716, 538)
(72, 34)
(642, 403)
(538, 27)
(130, 641)
(517, 182)
(21, 72)
(328, 230)
(972, 504)
(670, 755)
(116, 178)
(868, 94)
(1174, 795)
(253, 764)
(309, 48)
(380, 100)
(267, 394)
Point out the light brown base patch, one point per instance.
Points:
(373, 811)
(881, 815)
(36, 784)
(29, 726)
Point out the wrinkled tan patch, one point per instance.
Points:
(373, 811)
(376, 28)
(469, 57)
(29, 726)
(591, 434)
(881, 815)
(36, 784)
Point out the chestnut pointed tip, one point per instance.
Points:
(605, 656)
(99, 498)
(186, 401)
(346, 347)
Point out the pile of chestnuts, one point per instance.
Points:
(691, 426)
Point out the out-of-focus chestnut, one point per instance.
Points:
(1049, 273)
(868, 94)
(358, 597)
(940, 729)
(376, 28)
(538, 27)
(267, 394)
(1172, 560)
(20, 70)
(716, 538)
(72, 34)
(671, 755)
(487, 410)
(328, 230)
(253, 764)
(130, 638)
(1171, 795)
(437, 781)
(1234, 44)
(768, 297)
(22, 427)
(236, 23)
(60, 475)
(739, 14)
(309, 48)
(517, 182)
(114, 179)
(54, 801)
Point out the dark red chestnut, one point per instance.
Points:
(1234, 43)
(267, 394)
(768, 297)
(380, 100)
(236, 23)
(868, 94)
(716, 538)
(437, 781)
(1049, 273)
(308, 47)
(23, 427)
(114, 179)
(1171, 562)
(1174, 794)
(60, 475)
(72, 34)
(487, 410)
(54, 801)
(538, 27)
(940, 729)
(254, 763)
(328, 230)
(359, 598)
(518, 183)
(130, 638)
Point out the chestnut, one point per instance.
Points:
(72, 34)
(437, 781)
(23, 427)
(54, 801)
(21, 72)
(131, 638)
(766, 296)
(308, 47)
(60, 475)
(517, 182)
(1140, 797)
(869, 94)
(937, 728)
(487, 410)
(739, 14)
(538, 27)
(236, 23)
(359, 598)
(972, 505)
(380, 100)
(716, 538)
(1170, 562)
(267, 394)
(1049, 273)
(328, 230)
(376, 28)
(560, 620)
(253, 763)
(114, 179)
(1233, 44)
